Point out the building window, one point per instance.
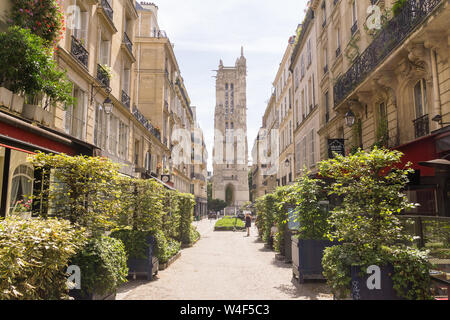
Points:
(74, 119)
(313, 142)
(309, 52)
(80, 32)
(100, 127)
(327, 107)
(420, 98)
(112, 137)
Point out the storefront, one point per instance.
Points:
(18, 140)
(429, 186)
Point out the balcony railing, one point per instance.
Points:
(144, 121)
(103, 76)
(389, 38)
(126, 99)
(79, 52)
(158, 34)
(422, 126)
(338, 52)
(108, 10)
(127, 42)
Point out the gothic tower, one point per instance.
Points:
(230, 162)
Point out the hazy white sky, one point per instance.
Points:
(205, 31)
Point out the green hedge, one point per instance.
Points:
(229, 224)
(34, 256)
(103, 264)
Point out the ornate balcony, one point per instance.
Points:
(422, 126)
(103, 76)
(125, 99)
(79, 52)
(388, 39)
(144, 121)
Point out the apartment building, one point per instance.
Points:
(284, 105)
(161, 96)
(387, 85)
(121, 112)
(303, 66)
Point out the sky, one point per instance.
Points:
(205, 31)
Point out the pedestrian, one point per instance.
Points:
(248, 223)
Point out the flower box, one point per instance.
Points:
(5, 97)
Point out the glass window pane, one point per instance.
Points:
(21, 175)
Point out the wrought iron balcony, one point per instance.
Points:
(125, 99)
(103, 76)
(338, 52)
(159, 34)
(422, 126)
(108, 10)
(127, 42)
(79, 52)
(388, 39)
(144, 121)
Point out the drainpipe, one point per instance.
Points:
(436, 93)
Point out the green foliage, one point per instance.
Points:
(411, 269)
(307, 194)
(270, 208)
(142, 204)
(44, 18)
(171, 217)
(103, 264)
(186, 203)
(398, 6)
(260, 209)
(372, 197)
(83, 190)
(28, 67)
(216, 205)
(34, 255)
(229, 223)
(382, 133)
(281, 215)
(367, 222)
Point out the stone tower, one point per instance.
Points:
(230, 180)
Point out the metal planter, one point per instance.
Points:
(307, 258)
(145, 267)
(360, 288)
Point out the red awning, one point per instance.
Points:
(420, 150)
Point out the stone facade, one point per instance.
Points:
(230, 148)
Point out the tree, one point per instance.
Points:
(217, 205)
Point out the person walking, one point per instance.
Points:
(248, 223)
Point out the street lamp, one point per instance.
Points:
(108, 106)
(350, 118)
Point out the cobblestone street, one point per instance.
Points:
(224, 265)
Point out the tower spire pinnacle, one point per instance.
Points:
(242, 51)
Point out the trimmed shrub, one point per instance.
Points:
(103, 264)
(34, 255)
(186, 203)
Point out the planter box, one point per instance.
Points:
(164, 266)
(32, 112)
(17, 103)
(360, 290)
(307, 258)
(76, 294)
(146, 267)
(38, 114)
(5, 97)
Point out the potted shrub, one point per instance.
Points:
(103, 265)
(141, 249)
(374, 260)
(281, 219)
(28, 69)
(310, 198)
(51, 243)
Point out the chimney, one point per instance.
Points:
(151, 7)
